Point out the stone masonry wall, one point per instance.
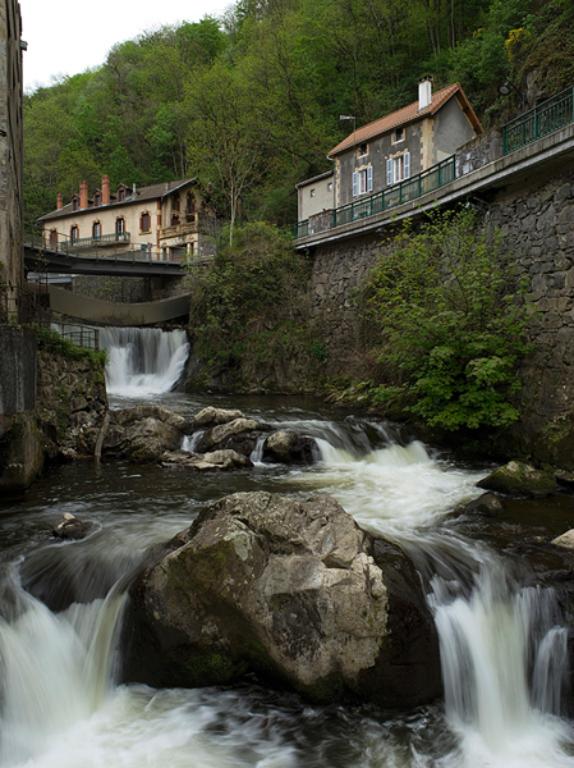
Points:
(123, 290)
(537, 221)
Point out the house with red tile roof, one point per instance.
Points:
(394, 148)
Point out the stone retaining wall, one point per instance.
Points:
(537, 222)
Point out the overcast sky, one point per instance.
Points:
(68, 36)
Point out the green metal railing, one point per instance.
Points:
(94, 242)
(550, 116)
(427, 181)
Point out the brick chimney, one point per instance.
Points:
(60, 201)
(84, 194)
(425, 92)
(106, 195)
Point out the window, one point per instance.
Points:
(398, 168)
(96, 231)
(145, 222)
(398, 135)
(121, 193)
(120, 227)
(363, 181)
(75, 203)
(97, 199)
(312, 192)
(54, 239)
(74, 234)
(330, 186)
(363, 149)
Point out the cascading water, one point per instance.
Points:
(57, 670)
(143, 361)
(503, 645)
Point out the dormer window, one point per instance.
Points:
(75, 203)
(398, 135)
(121, 193)
(97, 198)
(363, 149)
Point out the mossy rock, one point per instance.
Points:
(520, 479)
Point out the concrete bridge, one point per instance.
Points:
(100, 312)
(38, 258)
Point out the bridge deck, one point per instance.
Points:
(45, 260)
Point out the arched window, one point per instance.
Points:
(96, 231)
(120, 227)
(54, 239)
(145, 222)
(74, 234)
(190, 206)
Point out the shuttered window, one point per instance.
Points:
(363, 181)
(398, 168)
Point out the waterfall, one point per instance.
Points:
(56, 670)
(143, 361)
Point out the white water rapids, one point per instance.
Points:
(142, 362)
(503, 651)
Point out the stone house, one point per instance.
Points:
(167, 221)
(393, 148)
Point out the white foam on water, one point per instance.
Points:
(142, 362)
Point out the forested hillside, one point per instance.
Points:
(250, 103)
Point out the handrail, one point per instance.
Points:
(549, 116)
(402, 192)
(105, 240)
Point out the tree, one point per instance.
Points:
(223, 142)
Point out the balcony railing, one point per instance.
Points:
(97, 242)
(550, 116)
(427, 181)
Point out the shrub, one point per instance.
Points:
(452, 325)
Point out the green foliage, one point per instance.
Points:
(250, 104)
(452, 326)
(50, 341)
(250, 310)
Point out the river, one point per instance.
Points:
(503, 639)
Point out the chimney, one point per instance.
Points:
(106, 195)
(425, 92)
(84, 194)
(59, 201)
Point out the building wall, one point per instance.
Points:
(164, 232)
(316, 196)
(451, 129)
(379, 149)
(11, 158)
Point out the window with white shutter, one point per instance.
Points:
(390, 177)
(407, 165)
(370, 178)
(355, 184)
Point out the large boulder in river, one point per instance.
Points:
(143, 433)
(288, 447)
(520, 479)
(293, 591)
(239, 435)
(210, 416)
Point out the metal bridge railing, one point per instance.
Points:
(550, 116)
(427, 181)
(81, 335)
